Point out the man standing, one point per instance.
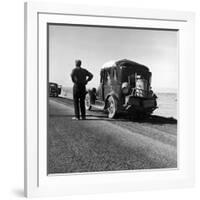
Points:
(80, 78)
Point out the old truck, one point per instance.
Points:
(125, 86)
(54, 89)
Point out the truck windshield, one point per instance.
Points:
(53, 85)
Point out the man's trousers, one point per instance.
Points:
(79, 93)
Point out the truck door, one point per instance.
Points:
(107, 86)
(100, 90)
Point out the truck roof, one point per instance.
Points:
(53, 83)
(125, 62)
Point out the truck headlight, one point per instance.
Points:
(125, 88)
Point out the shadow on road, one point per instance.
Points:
(88, 117)
(154, 119)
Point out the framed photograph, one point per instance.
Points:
(109, 99)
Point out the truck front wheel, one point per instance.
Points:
(112, 107)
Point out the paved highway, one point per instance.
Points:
(102, 144)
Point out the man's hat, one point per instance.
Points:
(78, 62)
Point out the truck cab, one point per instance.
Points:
(54, 89)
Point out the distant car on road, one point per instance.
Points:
(125, 86)
(54, 89)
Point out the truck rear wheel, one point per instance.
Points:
(112, 107)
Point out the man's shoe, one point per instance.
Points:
(75, 118)
(83, 118)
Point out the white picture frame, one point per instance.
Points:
(37, 183)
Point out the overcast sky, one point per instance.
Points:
(156, 49)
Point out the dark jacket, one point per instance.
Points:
(80, 76)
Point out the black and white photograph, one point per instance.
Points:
(112, 99)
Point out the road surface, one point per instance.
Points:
(102, 144)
